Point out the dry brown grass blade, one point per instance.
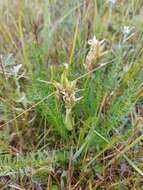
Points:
(27, 110)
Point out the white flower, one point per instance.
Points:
(94, 41)
(127, 30)
(112, 1)
(16, 69)
(66, 65)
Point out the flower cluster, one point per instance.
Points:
(66, 91)
(96, 51)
